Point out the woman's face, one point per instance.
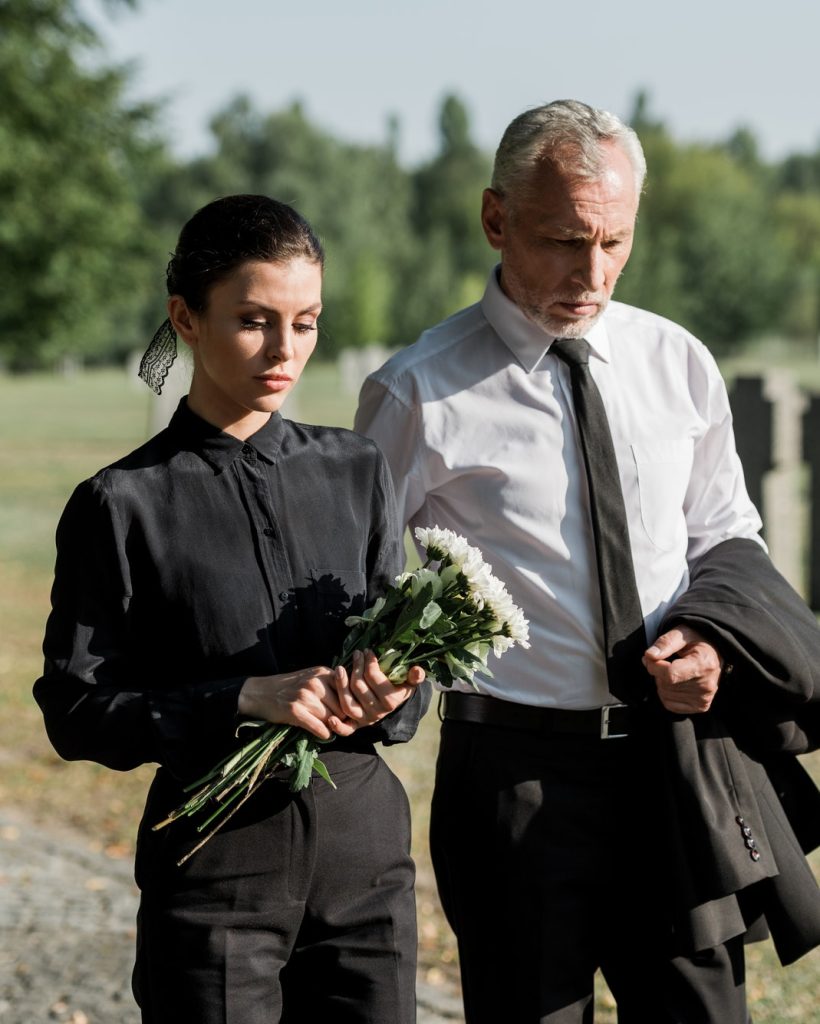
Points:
(252, 341)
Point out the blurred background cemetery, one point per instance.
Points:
(93, 194)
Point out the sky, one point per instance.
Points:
(708, 66)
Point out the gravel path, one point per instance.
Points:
(67, 933)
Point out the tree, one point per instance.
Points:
(356, 197)
(74, 251)
(706, 251)
(447, 191)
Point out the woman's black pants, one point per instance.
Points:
(301, 909)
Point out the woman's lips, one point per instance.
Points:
(275, 383)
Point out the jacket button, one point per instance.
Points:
(740, 821)
(747, 832)
(750, 843)
(754, 854)
(284, 595)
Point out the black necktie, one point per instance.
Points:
(624, 636)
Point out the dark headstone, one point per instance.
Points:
(752, 413)
(811, 454)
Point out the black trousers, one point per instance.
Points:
(302, 909)
(546, 861)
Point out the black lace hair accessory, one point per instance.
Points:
(159, 357)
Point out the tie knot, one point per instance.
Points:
(574, 351)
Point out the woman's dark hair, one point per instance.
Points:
(231, 231)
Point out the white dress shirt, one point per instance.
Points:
(477, 422)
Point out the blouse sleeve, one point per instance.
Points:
(93, 705)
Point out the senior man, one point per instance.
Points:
(593, 808)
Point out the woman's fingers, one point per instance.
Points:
(364, 695)
(307, 698)
(349, 704)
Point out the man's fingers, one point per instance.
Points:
(665, 646)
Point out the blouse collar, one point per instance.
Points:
(218, 448)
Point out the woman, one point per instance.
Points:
(205, 578)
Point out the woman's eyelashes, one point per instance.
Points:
(249, 324)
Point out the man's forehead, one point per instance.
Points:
(566, 172)
(572, 202)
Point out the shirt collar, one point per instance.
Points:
(216, 447)
(527, 341)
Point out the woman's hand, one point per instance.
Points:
(307, 698)
(367, 695)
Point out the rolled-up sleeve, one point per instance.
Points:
(717, 504)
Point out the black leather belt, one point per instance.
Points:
(611, 722)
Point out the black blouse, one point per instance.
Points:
(199, 560)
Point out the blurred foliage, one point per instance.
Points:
(727, 244)
(74, 241)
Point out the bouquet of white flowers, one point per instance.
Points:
(445, 616)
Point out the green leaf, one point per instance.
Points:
(303, 756)
(321, 769)
(429, 615)
(442, 674)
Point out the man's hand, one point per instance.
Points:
(686, 669)
(367, 695)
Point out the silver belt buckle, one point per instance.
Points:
(605, 733)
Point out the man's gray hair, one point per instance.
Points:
(568, 133)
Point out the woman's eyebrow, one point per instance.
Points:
(278, 312)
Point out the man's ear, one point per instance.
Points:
(493, 217)
(183, 320)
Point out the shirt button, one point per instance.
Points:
(284, 595)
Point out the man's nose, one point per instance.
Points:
(590, 269)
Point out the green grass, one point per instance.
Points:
(55, 432)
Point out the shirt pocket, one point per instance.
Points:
(663, 469)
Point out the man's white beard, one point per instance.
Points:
(558, 326)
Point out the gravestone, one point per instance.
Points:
(811, 454)
(752, 413)
(767, 420)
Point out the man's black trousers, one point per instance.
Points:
(548, 863)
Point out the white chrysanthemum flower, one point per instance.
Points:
(498, 600)
(481, 584)
(486, 590)
(435, 541)
(518, 628)
(501, 644)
